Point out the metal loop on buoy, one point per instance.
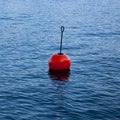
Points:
(62, 28)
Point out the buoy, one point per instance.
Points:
(59, 61)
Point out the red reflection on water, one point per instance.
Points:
(60, 75)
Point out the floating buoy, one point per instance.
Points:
(59, 61)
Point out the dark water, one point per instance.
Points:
(30, 33)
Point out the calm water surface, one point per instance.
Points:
(30, 33)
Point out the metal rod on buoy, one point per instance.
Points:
(62, 30)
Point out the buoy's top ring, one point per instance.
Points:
(62, 28)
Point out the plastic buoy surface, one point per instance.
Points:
(59, 62)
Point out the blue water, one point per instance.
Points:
(30, 34)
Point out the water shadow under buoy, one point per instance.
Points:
(61, 75)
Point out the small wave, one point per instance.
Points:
(7, 18)
(99, 34)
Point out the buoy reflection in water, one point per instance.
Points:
(61, 75)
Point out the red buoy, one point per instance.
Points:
(59, 61)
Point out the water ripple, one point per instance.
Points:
(30, 33)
